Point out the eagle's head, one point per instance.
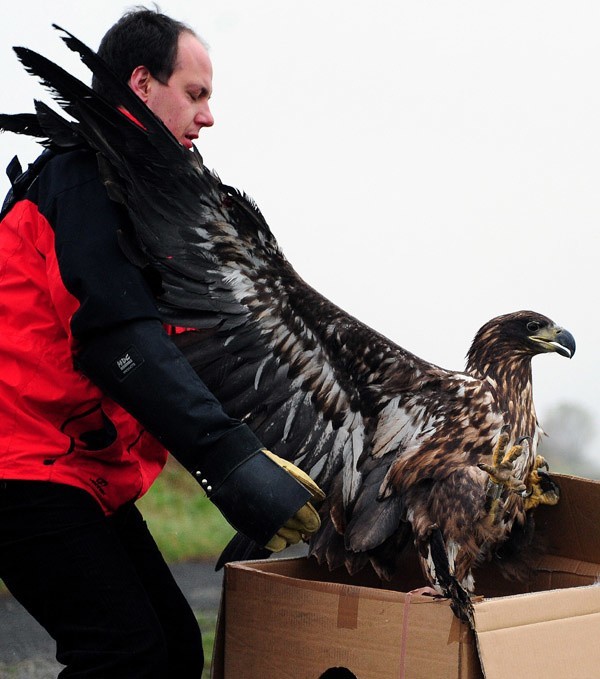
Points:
(517, 337)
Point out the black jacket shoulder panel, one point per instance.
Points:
(69, 193)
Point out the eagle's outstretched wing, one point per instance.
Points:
(305, 375)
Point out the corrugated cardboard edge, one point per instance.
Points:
(268, 569)
(263, 570)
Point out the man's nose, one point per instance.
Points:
(204, 117)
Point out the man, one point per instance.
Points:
(79, 323)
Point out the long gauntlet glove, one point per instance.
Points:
(265, 498)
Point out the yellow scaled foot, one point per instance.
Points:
(501, 476)
(541, 490)
(501, 469)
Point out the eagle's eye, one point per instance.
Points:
(533, 326)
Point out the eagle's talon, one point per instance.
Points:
(501, 475)
(542, 489)
(540, 461)
(501, 470)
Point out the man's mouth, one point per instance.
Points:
(188, 140)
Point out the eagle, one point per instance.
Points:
(407, 452)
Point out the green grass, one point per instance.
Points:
(208, 625)
(184, 523)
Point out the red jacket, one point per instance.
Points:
(62, 275)
(71, 305)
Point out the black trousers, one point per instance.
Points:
(98, 585)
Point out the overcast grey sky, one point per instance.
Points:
(427, 165)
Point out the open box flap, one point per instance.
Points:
(550, 634)
(572, 528)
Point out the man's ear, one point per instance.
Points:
(140, 82)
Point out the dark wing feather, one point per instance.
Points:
(50, 128)
(22, 123)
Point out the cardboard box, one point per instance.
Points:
(291, 619)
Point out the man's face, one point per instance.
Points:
(182, 104)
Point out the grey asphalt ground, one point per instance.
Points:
(27, 652)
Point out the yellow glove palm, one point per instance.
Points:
(306, 520)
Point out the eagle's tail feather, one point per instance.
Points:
(460, 601)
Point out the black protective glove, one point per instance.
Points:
(256, 496)
(139, 367)
(306, 520)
